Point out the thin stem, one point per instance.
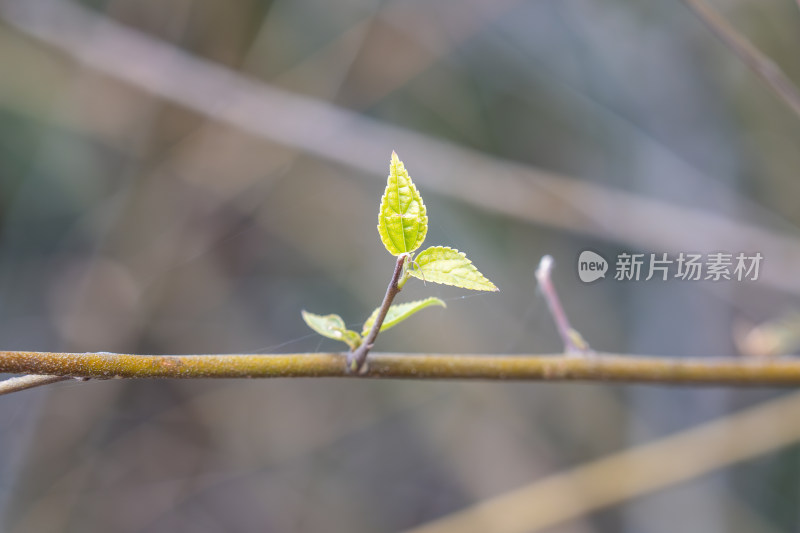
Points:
(573, 342)
(778, 371)
(21, 383)
(356, 358)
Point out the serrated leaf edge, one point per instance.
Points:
(419, 275)
(383, 231)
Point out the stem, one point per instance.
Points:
(569, 335)
(357, 357)
(777, 371)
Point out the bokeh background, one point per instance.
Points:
(185, 176)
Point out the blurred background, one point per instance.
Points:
(185, 176)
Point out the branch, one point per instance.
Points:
(356, 358)
(763, 66)
(605, 367)
(573, 341)
(27, 382)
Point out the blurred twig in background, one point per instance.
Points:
(339, 135)
(631, 473)
(763, 66)
(776, 336)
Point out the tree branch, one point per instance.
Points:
(27, 382)
(782, 371)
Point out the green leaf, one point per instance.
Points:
(402, 222)
(332, 326)
(441, 264)
(398, 313)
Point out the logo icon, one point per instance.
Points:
(591, 266)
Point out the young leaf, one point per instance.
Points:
(332, 326)
(402, 222)
(398, 313)
(441, 264)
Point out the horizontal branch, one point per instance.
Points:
(783, 371)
